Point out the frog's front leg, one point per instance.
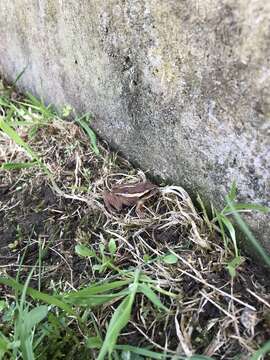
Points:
(140, 204)
(139, 208)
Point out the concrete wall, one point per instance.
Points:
(182, 87)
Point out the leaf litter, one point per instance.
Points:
(112, 211)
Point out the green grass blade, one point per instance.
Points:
(91, 134)
(18, 140)
(257, 246)
(27, 350)
(155, 355)
(4, 102)
(4, 345)
(221, 228)
(199, 357)
(204, 212)
(262, 351)
(19, 76)
(37, 295)
(227, 223)
(233, 191)
(149, 293)
(97, 289)
(95, 300)
(119, 319)
(24, 289)
(141, 351)
(18, 166)
(39, 105)
(246, 207)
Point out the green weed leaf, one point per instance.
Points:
(35, 316)
(84, 251)
(234, 264)
(112, 246)
(170, 259)
(94, 342)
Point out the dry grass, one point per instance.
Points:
(210, 313)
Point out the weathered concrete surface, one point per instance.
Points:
(182, 87)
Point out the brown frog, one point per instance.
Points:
(129, 195)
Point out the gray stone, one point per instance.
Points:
(181, 87)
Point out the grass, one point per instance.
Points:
(82, 283)
(226, 227)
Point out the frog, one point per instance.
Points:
(126, 195)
